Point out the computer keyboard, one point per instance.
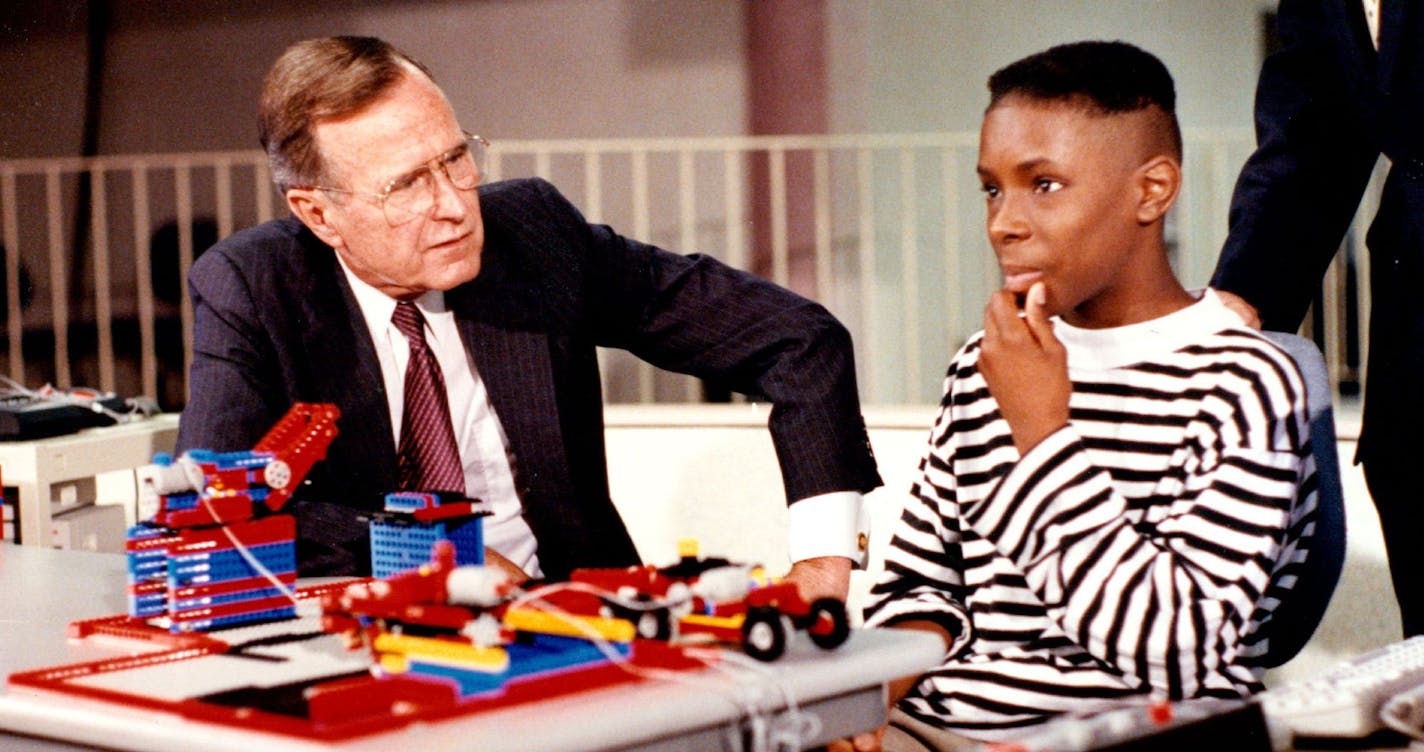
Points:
(29, 417)
(1346, 700)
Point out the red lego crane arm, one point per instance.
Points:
(298, 441)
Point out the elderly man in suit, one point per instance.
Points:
(1346, 86)
(511, 291)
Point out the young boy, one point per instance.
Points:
(1118, 473)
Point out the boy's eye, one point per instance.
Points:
(1046, 185)
(990, 191)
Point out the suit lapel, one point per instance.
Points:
(1393, 20)
(345, 368)
(512, 356)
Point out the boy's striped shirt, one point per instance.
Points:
(1133, 552)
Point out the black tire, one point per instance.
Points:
(653, 625)
(763, 634)
(835, 610)
(648, 623)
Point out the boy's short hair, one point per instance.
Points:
(1103, 77)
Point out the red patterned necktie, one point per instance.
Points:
(429, 458)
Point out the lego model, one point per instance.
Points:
(217, 552)
(437, 641)
(712, 598)
(453, 622)
(403, 535)
(212, 590)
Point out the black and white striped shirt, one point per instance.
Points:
(1133, 552)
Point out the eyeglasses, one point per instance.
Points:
(413, 194)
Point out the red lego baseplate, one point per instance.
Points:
(320, 706)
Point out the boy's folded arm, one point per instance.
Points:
(922, 606)
(923, 572)
(1156, 603)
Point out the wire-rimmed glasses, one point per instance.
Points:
(413, 194)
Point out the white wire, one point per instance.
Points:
(583, 587)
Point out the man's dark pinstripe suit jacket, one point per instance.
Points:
(276, 323)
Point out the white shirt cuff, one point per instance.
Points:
(831, 524)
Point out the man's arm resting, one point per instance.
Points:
(826, 539)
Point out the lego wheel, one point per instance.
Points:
(277, 474)
(648, 623)
(654, 625)
(829, 624)
(763, 634)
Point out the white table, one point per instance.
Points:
(36, 467)
(843, 690)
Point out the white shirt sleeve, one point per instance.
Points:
(831, 524)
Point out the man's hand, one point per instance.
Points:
(821, 577)
(494, 558)
(1240, 307)
(1025, 366)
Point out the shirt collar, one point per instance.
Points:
(377, 307)
(1120, 346)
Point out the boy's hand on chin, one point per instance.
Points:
(1025, 366)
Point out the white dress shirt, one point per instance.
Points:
(1372, 19)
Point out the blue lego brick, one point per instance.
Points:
(148, 564)
(407, 501)
(202, 601)
(398, 546)
(539, 655)
(469, 680)
(231, 460)
(144, 606)
(228, 564)
(468, 537)
(180, 501)
(143, 531)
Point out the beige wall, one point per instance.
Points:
(185, 76)
(529, 69)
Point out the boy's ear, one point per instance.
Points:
(1159, 179)
(315, 211)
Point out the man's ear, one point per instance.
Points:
(1159, 180)
(314, 210)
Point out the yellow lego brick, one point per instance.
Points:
(719, 622)
(394, 663)
(534, 620)
(406, 647)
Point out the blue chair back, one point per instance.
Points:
(1297, 616)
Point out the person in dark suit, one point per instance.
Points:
(517, 290)
(1346, 86)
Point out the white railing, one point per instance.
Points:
(885, 230)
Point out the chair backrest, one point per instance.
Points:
(1297, 616)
